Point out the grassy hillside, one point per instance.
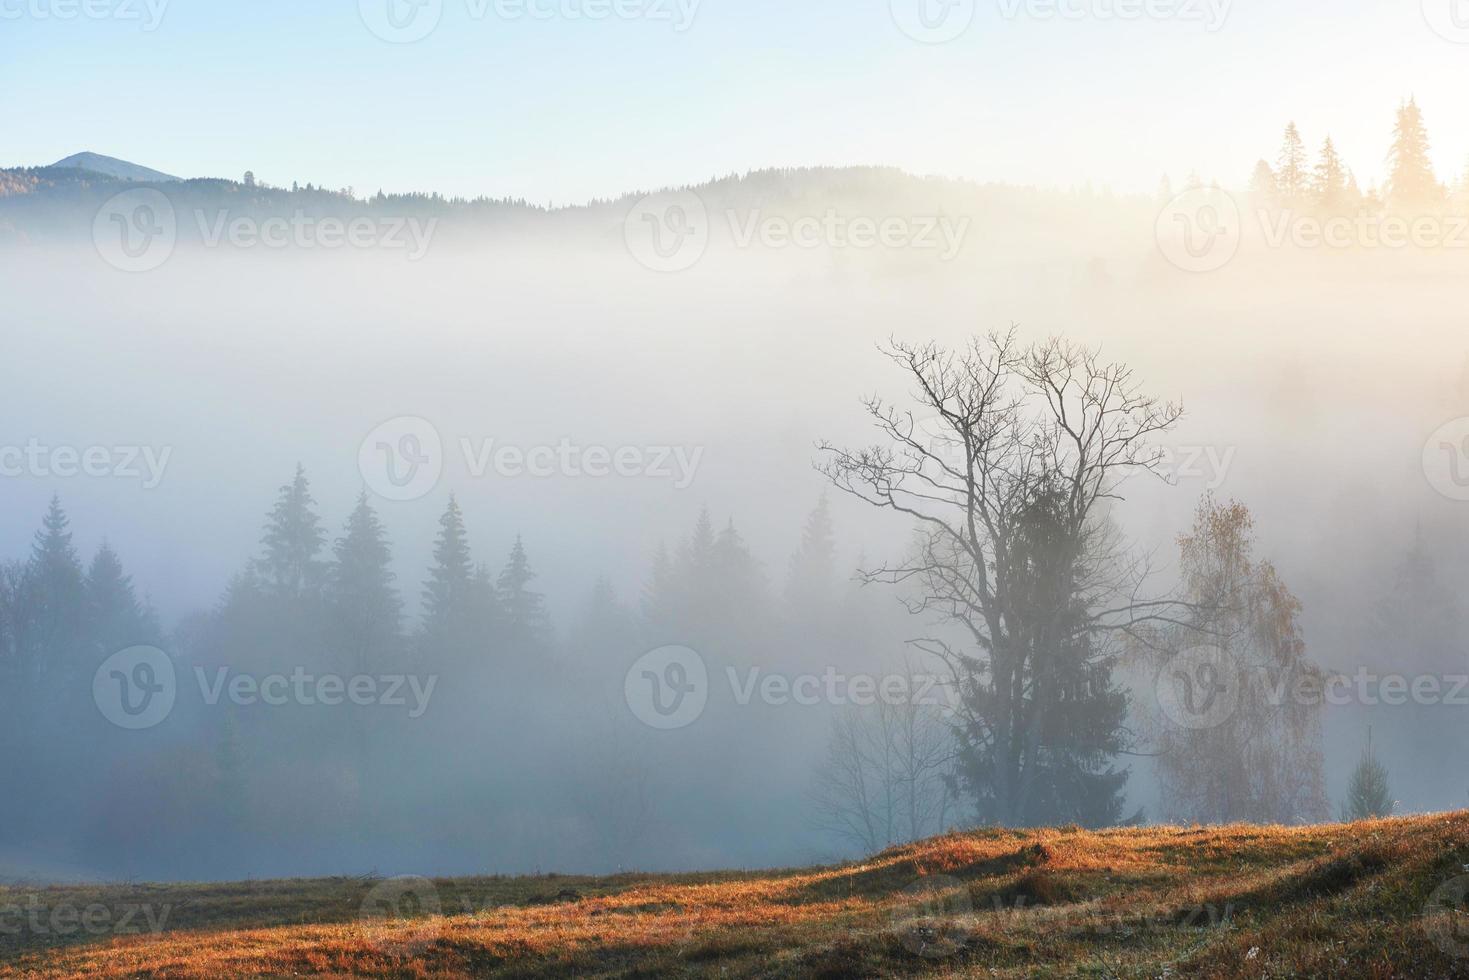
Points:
(1377, 899)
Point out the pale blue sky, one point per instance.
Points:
(565, 110)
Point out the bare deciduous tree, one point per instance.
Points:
(1009, 472)
(888, 775)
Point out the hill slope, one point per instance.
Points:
(112, 167)
(1376, 899)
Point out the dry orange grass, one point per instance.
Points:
(1374, 899)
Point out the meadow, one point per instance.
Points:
(1374, 899)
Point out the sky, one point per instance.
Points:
(567, 105)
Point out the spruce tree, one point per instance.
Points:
(453, 597)
(1368, 796)
(51, 601)
(813, 569)
(1411, 182)
(1329, 183)
(366, 611)
(292, 541)
(1264, 188)
(115, 617)
(605, 630)
(661, 595)
(525, 624)
(1291, 177)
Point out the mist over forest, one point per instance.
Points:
(491, 471)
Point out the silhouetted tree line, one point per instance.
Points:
(515, 712)
(1328, 186)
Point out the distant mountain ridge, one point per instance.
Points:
(112, 167)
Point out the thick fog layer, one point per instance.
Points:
(594, 440)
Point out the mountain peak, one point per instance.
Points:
(112, 167)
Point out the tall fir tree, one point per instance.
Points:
(115, 617)
(660, 601)
(813, 568)
(1329, 182)
(1368, 795)
(366, 611)
(292, 542)
(525, 624)
(454, 596)
(1292, 179)
(52, 605)
(1264, 189)
(1069, 773)
(1411, 183)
